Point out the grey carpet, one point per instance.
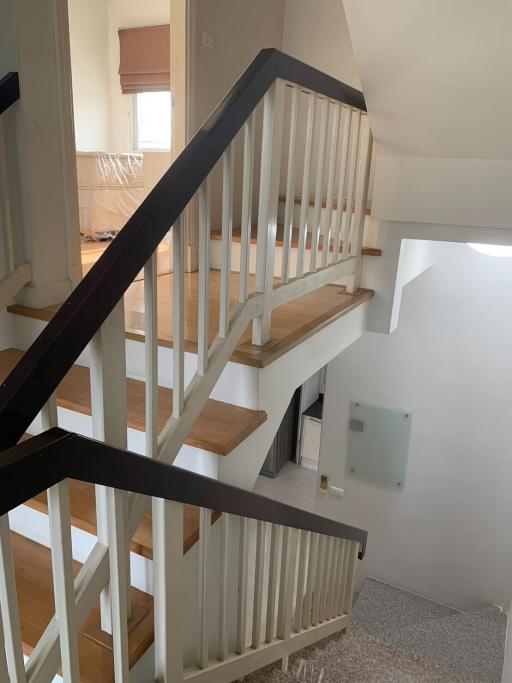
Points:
(399, 637)
(471, 642)
(381, 608)
(359, 658)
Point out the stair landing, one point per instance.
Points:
(292, 323)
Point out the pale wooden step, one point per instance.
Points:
(83, 516)
(219, 429)
(217, 235)
(292, 323)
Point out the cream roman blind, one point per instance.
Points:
(145, 59)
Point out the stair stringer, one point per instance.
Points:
(276, 385)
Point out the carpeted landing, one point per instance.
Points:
(399, 637)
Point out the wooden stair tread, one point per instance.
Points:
(83, 516)
(291, 324)
(34, 584)
(297, 200)
(217, 235)
(219, 429)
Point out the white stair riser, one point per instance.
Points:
(238, 383)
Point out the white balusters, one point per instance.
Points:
(344, 147)
(247, 192)
(267, 208)
(326, 579)
(258, 584)
(9, 606)
(228, 161)
(204, 556)
(204, 276)
(287, 582)
(304, 541)
(290, 187)
(4, 671)
(109, 421)
(311, 580)
(272, 583)
(357, 227)
(62, 563)
(168, 590)
(243, 571)
(151, 354)
(333, 158)
(304, 206)
(178, 318)
(351, 179)
(320, 164)
(320, 559)
(223, 591)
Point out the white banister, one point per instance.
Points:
(119, 565)
(204, 276)
(151, 354)
(168, 590)
(247, 192)
(62, 562)
(272, 583)
(267, 208)
(290, 186)
(286, 582)
(4, 671)
(223, 590)
(320, 166)
(351, 179)
(228, 161)
(178, 318)
(304, 540)
(241, 627)
(344, 146)
(308, 160)
(363, 179)
(9, 606)
(327, 579)
(338, 566)
(258, 584)
(109, 424)
(202, 601)
(333, 158)
(311, 580)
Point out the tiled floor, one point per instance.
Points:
(293, 485)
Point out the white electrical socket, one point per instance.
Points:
(336, 491)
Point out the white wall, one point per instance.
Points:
(433, 75)
(88, 26)
(447, 533)
(317, 33)
(127, 14)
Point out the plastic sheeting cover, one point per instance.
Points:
(110, 188)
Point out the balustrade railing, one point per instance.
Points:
(285, 125)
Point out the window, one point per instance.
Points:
(152, 120)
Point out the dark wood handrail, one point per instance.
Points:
(9, 90)
(52, 354)
(43, 461)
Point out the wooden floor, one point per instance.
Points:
(219, 429)
(291, 324)
(35, 594)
